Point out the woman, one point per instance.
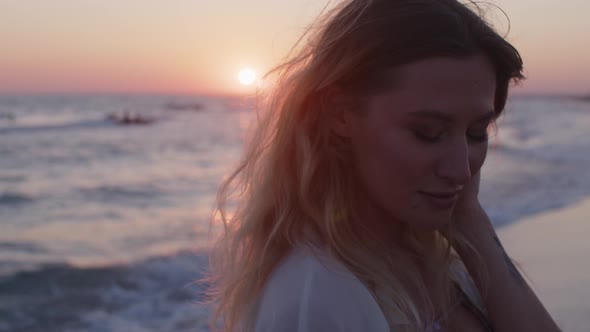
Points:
(357, 193)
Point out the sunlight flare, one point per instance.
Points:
(247, 76)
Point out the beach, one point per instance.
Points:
(552, 249)
(105, 224)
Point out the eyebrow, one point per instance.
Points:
(438, 115)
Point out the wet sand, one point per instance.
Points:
(553, 249)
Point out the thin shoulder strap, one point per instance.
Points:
(466, 302)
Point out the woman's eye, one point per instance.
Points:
(435, 135)
(430, 137)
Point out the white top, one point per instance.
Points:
(311, 292)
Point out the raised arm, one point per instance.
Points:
(511, 303)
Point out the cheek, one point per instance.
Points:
(477, 157)
(413, 164)
(392, 166)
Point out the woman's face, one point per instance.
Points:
(418, 143)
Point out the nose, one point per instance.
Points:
(454, 165)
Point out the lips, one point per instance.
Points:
(441, 194)
(440, 200)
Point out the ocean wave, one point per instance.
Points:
(563, 152)
(190, 107)
(12, 178)
(30, 248)
(122, 193)
(87, 124)
(159, 294)
(15, 198)
(517, 184)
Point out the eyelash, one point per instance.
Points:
(427, 138)
(430, 139)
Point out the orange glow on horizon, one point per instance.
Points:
(198, 47)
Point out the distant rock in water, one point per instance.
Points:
(7, 116)
(185, 107)
(128, 119)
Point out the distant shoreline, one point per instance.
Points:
(57, 94)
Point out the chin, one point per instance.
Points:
(430, 222)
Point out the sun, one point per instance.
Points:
(247, 76)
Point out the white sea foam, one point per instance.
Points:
(160, 294)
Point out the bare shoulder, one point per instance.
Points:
(310, 291)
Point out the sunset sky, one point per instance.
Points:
(199, 46)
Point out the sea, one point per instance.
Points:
(105, 200)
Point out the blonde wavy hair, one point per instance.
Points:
(296, 176)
